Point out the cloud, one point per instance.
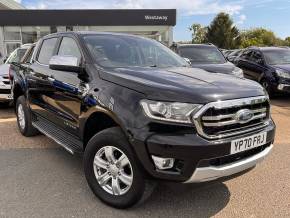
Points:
(18, 1)
(242, 19)
(184, 7)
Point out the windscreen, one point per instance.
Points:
(207, 55)
(277, 57)
(130, 51)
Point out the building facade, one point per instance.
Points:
(19, 27)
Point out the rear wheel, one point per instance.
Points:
(112, 170)
(24, 121)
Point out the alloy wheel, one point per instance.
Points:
(113, 170)
(21, 116)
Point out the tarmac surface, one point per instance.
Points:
(40, 179)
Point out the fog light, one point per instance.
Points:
(281, 86)
(163, 163)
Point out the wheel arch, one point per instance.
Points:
(96, 121)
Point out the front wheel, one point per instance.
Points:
(112, 170)
(267, 86)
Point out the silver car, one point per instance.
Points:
(5, 87)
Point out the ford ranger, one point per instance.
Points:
(139, 113)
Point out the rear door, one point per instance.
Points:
(39, 79)
(258, 65)
(245, 63)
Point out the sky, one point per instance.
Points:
(270, 14)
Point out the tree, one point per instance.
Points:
(287, 41)
(223, 33)
(198, 33)
(260, 37)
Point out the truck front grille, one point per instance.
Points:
(219, 119)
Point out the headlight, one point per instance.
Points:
(238, 72)
(172, 112)
(283, 74)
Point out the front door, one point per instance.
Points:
(67, 97)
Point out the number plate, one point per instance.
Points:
(248, 143)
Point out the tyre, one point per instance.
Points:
(23, 115)
(112, 170)
(265, 83)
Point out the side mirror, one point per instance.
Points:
(187, 60)
(260, 61)
(65, 63)
(5, 59)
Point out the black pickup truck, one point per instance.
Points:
(139, 113)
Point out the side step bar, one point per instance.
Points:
(66, 140)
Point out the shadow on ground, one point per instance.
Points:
(282, 100)
(51, 183)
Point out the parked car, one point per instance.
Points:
(233, 56)
(5, 88)
(139, 113)
(207, 57)
(270, 66)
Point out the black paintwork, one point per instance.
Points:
(68, 100)
(261, 70)
(226, 67)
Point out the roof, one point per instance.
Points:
(195, 45)
(269, 48)
(91, 33)
(10, 4)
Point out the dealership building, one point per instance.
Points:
(20, 26)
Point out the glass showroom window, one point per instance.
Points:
(12, 33)
(43, 31)
(29, 34)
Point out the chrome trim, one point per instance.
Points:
(283, 86)
(204, 174)
(228, 104)
(231, 122)
(221, 117)
(64, 60)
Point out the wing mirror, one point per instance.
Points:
(5, 59)
(65, 63)
(260, 61)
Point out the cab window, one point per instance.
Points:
(69, 47)
(47, 50)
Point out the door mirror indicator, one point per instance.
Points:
(260, 61)
(65, 63)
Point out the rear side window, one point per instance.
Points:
(69, 47)
(247, 54)
(46, 50)
(257, 56)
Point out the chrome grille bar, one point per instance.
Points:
(226, 116)
(231, 122)
(261, 113)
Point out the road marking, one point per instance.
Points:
(8, 120)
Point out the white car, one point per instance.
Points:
(5, 87)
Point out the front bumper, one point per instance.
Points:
(191, 151)
(5, 91)
(204, 174)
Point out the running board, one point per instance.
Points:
(66, 140)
